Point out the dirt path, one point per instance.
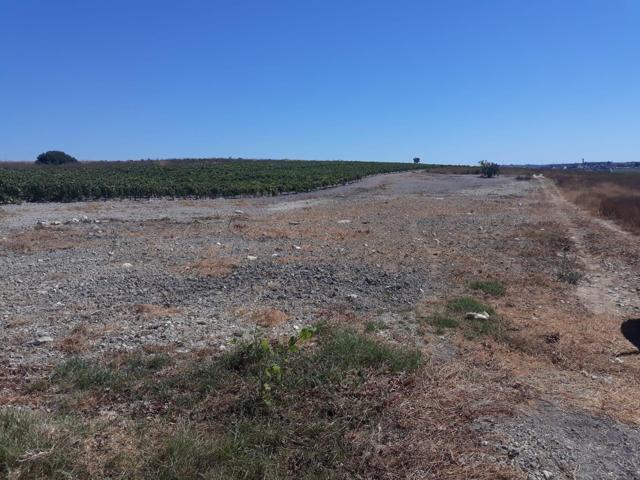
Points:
(611, 286)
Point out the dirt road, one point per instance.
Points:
(549, 397)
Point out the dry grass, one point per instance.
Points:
(44, 240)
(16, 322)
(212, 264)
(615, 196)
(76, 342)
(623, 208)
(269, 317)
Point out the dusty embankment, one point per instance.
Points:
(540, 390)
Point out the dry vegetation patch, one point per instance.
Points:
(267, 409)
(76, 342)
(615, 196)
(211, 264)
(44, 239)
(269, 317)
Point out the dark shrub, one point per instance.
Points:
(54, 157)
(488, 169)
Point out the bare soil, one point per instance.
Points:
(550, 396)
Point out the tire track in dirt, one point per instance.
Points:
(611, 285)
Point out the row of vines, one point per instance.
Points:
(179, 178)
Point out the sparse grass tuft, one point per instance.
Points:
(454, 316)
(82, 375)
(34, 446)
(347, 350)
(441, 322)
(571, 277)
(490, 287)
(469, 304)
(185, 454)
(482, 328)
(373, 326)
(143, 364)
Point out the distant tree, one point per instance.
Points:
(489, 169)
(416, 160)
(54, 157)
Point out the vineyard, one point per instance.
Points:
(178, 178)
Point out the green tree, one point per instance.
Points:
(55, 157)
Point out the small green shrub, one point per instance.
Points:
(490, 287)
(441, 322)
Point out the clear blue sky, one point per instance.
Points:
(451, 81)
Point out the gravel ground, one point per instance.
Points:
(550, 442)
(89, 264)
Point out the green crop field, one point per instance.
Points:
(178, 178)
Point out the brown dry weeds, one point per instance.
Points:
(269, 317)
(44, 240)
(611, 195)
